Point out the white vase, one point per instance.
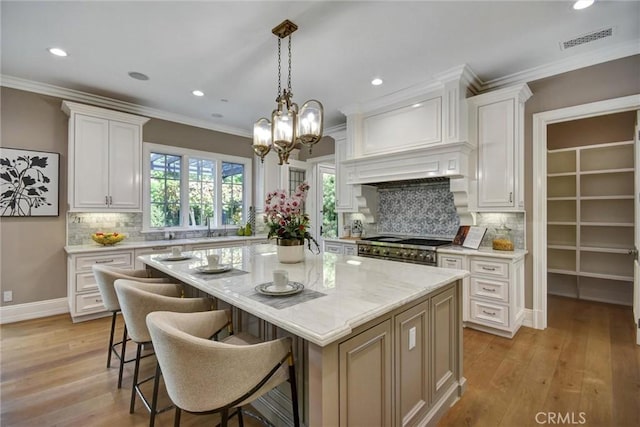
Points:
(290, 251)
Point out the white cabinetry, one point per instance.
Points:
(496, 295)
(590, 222)
(104, 159)
(341, 248)
(345, 200)
(82, 290)
(493, 296)
(497, 127)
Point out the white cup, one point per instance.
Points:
(280, 279)
(213, 260)
(176, 251)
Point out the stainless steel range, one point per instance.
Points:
(404, 249)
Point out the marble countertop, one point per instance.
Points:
(355, 289)
(125, 245)
(460, 250)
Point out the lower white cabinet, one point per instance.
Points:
(83, 295)
(340, 248)
(493, 296)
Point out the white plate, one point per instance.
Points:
(269, 288)
(215, 269)
(175, 258)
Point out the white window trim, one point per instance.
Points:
(186, 153)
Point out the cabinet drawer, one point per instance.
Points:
(489, 267)
(89, 303)
(117, 259)
(487, 288)
(450, 262)
(496, 316)
(350, 250)
(333, 249)
(86, 282)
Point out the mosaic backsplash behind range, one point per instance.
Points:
(425, 210)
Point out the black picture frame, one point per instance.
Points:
(29, 183)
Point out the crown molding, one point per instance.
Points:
(575, 62)
(105, 102)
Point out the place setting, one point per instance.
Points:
(176, 254)
(214, 270)
(281, 292)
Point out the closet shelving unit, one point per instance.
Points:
(590, 222)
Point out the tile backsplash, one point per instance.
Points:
(513, 220)
(82, 225)
(425, 209)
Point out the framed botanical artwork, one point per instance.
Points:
(29, 182)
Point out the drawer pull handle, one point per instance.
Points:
(99, 300)
(488, 289)
(489, 313)
(489, 268)
(104, 261)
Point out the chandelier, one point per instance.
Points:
(288, 126)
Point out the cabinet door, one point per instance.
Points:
(444, 337)
(333, 248)
(91, 163)
(344, 191)
(496, 138)
(125, 147)
(350, 250)
(365, 378)
(411, 365)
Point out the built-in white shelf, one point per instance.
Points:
(590, 222)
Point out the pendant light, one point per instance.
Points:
(288, 126)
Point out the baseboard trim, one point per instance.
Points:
(529, 318)
(33, 310)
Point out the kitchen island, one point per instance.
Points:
(377, 342)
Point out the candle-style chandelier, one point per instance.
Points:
(289, 126)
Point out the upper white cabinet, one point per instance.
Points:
(345, 200)
(496, 121)
(105, 159)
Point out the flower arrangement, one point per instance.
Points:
(285, 218)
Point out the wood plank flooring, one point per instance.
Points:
(584, 369)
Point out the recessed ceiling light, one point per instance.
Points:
(57, 51)
(138, 76)
(376, 81)
(197, 93)
(217, 115)
(582, 4)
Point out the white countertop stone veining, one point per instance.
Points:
(460, 250)
(125, 245)
(357, 289)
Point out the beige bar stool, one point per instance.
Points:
(105, 277)
(136, 301)
(222, 376)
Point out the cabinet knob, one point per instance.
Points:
(106, 200)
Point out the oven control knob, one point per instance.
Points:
(385, 252)
(374, 251)
(431, 257)
(421, 256)
(405, 254)
(413, 254)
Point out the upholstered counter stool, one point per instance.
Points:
(105, 276)
(223, 375)
(138, 299)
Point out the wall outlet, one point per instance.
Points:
(7, 296)
(412, 338)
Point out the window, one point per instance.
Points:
(189, 189)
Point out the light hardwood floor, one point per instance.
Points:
(53, 374)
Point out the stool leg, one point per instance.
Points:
(154, 400)
(240, 419)
(176, 418)
(294, 393)
(122, 355)
(113, 329)
(134, 387)
(224, 417)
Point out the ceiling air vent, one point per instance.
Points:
(587, 38)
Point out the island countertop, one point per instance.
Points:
(356, 289)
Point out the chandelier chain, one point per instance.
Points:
(289, 80)
(279, 71)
